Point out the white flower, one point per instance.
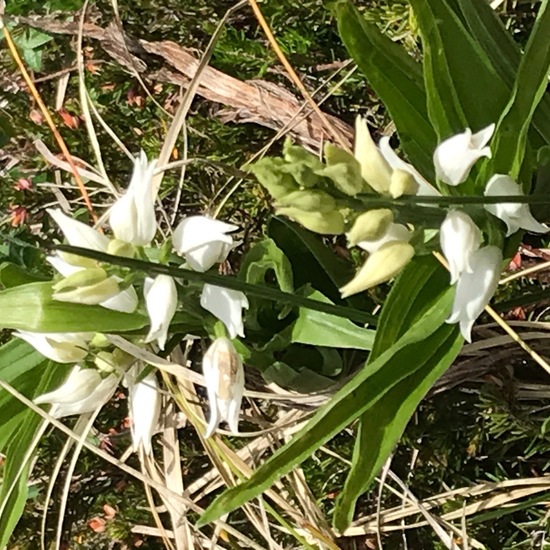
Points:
(144, 404)
(460, 238)
(475, 289)
(391, 157)
(224, 377)
(203, 241)
(395, 232)
(132, 217)
(84, 391)
(161, 300)
(514, 215)
(227, 306)
(84, 236)
(61, 347)
(454, 157)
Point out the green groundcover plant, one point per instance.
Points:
(438, 219)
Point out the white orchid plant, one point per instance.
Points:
(436, 229)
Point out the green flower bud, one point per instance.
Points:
(374, 167)
(310, 201)
(370, 226)
(344, 171)
(117, 247)
(402, 183)
(88, 286)
(100, 340)
(328, 223)
(76, 260)
(272, 174)
(380, 266)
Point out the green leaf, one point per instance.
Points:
(510, 142)
(29, 373)
(31, 307)
(15, 275)
(413, 351)
(321, 329)
(463, 88)
(396, 78)
(265, 258)
(418, 289)
(313, 263)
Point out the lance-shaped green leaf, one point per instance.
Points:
(27, 371)
(418, 348)
(503, 51)
(463, 88)
(397, 79)
(421, 285)
(31, 307)
(321, 329)
(510, 141)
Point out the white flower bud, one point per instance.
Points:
(460, 238)
(144, 403)
(224, 376)
(161, 299)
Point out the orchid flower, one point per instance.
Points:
(514, 215)
(144, 405)
(161, 300)
(203, 241)
(460, 238)
(227, 306)
(224, 376)
(81, 235)
(132, 217)
(455, 156)
(83, 392)
(66, 347)
(475, 289)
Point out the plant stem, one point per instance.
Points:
(232, 283)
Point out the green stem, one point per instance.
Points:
(450, 201)
(223, 281)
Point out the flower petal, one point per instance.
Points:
(78, 233)
(196, 231)
(161, 300)
(459, 238)
(59, 347)
(395, 232)
(145, 404)
(474, 290)
(455, 156)
(514, 215)
(227, 306)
